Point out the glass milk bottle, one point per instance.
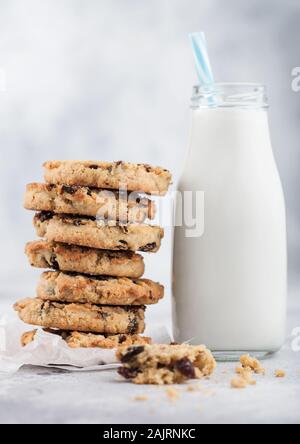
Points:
(230, 282)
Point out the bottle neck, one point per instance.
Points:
(230, 95)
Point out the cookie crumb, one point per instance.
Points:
(246, 374)
(279, 373)
(172, 393)
(141, 398)
(193, 388)
(238, 383)
(253, 364)
(27, 337)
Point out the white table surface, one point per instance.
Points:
(40, 395)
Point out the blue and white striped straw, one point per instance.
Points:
(202, 62)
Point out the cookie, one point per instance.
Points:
(44, 254)
(88, 232)
(81, 317)
(103, 204)
(165, 364)
(101, 290)
(112, 175)
(76, 339)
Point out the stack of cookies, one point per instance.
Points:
(91, 216)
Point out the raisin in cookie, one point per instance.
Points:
(81, 317)
(89, 232)
(77, 339)
(165, 364)
(44, 254)
(101, 290)
(105, 204)
(112, 175)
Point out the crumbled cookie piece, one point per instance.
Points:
(172, 393)
(280, 373)
(248, 362)
(238, 383)
(141, 398)
(194, 388)
(27, 337)
(246, 373)
(165, 364)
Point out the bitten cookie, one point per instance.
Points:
(101, 290)
(76, 339)
(165, 364)
(112, 175)
(105, 204)
(44, 254)
(81, 317)
(88, 232)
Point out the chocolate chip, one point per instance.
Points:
(53, 262)
(42, 306)
(159, 366)
(185, 367)
(119, 163)
(45, 307)
(148, 247)
(133, 325)
(134, 308)
(127, 373)
(123, 229)
(94, 167)
(68, 189)
(88, 191)
(44, 215)
(148, 168)
(122, 339)
(124, 244)
(104, 315)
(132, 352)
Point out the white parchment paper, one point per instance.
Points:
(50, 350)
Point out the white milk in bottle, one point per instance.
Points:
(230, 282)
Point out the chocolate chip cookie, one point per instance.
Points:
(76, 339)
(111, 175)
(101, 290)
(89, 232)
(103, 204)
(165, 364)
(45, 254)
(82, 317)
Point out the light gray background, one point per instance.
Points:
(111, 79)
